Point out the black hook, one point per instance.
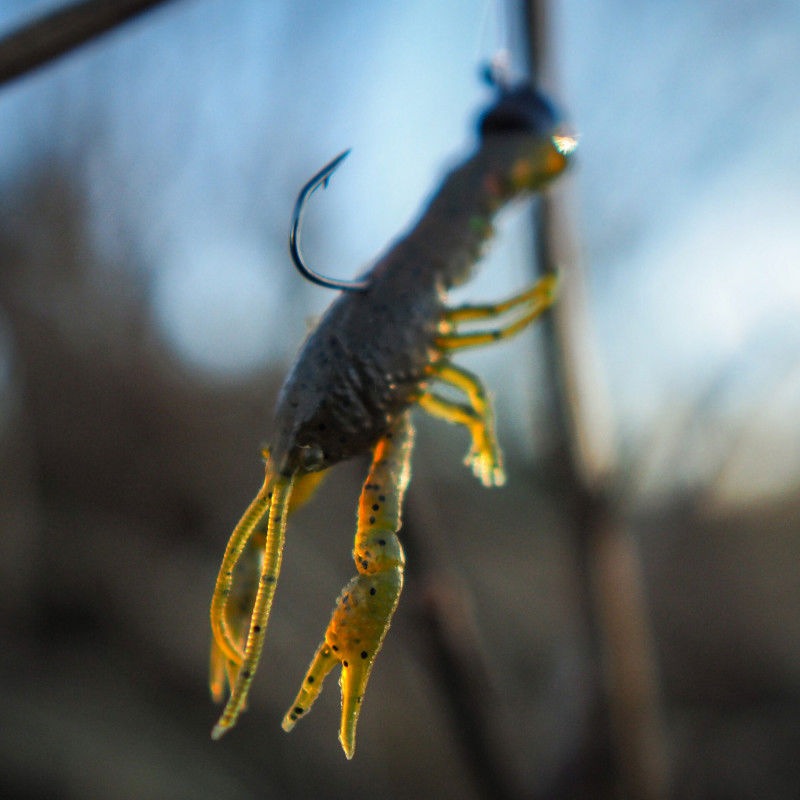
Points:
(320, 179)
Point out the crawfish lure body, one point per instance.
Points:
(376, 353)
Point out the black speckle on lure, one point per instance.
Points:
(383, 346)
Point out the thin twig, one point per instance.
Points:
(53, 34)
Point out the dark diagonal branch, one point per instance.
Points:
(52, 35)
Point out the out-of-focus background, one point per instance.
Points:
(148, 312)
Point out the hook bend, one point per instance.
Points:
(320, 179)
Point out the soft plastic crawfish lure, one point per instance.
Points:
(381, 348)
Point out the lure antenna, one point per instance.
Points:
(320, 179)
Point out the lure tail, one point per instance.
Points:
(266, 514)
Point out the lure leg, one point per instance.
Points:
(484, 456)
(365, 607)
(279, 491)
(538, 299)
(237, 612)
(224, 638)
(238, 604)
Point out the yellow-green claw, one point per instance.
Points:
(364, 609)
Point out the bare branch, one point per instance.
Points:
(52, 35)
(626, 692)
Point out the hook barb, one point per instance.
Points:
(320, 179)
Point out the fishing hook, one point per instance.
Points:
(320, 179)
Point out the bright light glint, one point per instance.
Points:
(565, 143)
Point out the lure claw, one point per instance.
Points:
(365, 607)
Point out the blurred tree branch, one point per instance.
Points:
(625, 751)
(53, 34)
(622, 752)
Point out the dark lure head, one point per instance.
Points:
(524, 113)
(521, 109)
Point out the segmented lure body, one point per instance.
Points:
(372, 352)
(377, 352)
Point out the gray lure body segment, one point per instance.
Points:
(371, 354)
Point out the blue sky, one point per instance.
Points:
(192, 129)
